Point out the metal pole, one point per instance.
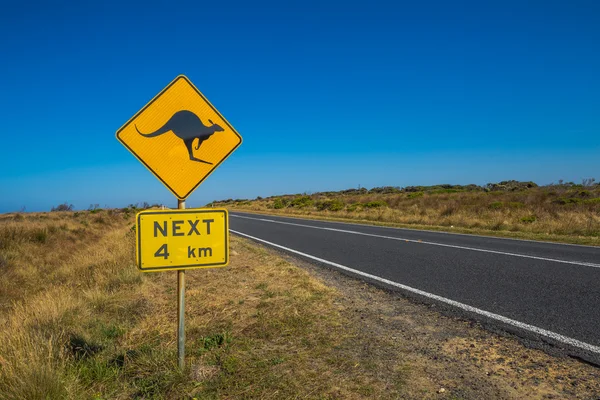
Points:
(181, 308)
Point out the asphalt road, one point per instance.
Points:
(546, 293)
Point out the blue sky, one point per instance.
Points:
(326, 94)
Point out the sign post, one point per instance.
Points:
(181, 138)
(181, 308)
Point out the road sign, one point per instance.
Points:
(182, 239)
(180, 137)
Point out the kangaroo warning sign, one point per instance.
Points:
(182, 239)
(180, 137)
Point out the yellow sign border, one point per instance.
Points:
(152, 101)
(138, 247)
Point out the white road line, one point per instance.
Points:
(583, 263)
(521, 325)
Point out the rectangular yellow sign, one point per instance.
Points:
(182, 239)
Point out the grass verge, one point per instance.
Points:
(543, 237)
(565, 213)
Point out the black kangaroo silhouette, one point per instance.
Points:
(187, 126)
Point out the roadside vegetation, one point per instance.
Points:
(566, 212)
(80, 322)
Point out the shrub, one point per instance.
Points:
(516, 204)
(414, 195)
(375, 204)
(441, 191)
(386, 190)
(350, 191)
(337, 205)
(353, 207)
(496, 205)
(510, 186)
(588, 181)
(63, 207)
(278, 204)
(529, 219)
(331, 205)
(564, 200)
(302, 202)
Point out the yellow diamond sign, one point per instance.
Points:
(180, 137)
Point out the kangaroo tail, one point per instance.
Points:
(160, 131)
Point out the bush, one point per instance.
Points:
(375, 204)
(529, 219)
(278, 204)
(386, 190)
(354, 207)
(513, 185)
(302, 202)
(564, 200)
(584, 193)
(331, 205)
(441, 191)
(348, 191)
(63, 207)
(414, 195)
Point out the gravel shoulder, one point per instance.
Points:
(447, 356)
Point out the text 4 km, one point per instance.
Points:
(163, 251)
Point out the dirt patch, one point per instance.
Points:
(447, 357)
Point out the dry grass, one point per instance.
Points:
(79, 321)
(554, 213)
